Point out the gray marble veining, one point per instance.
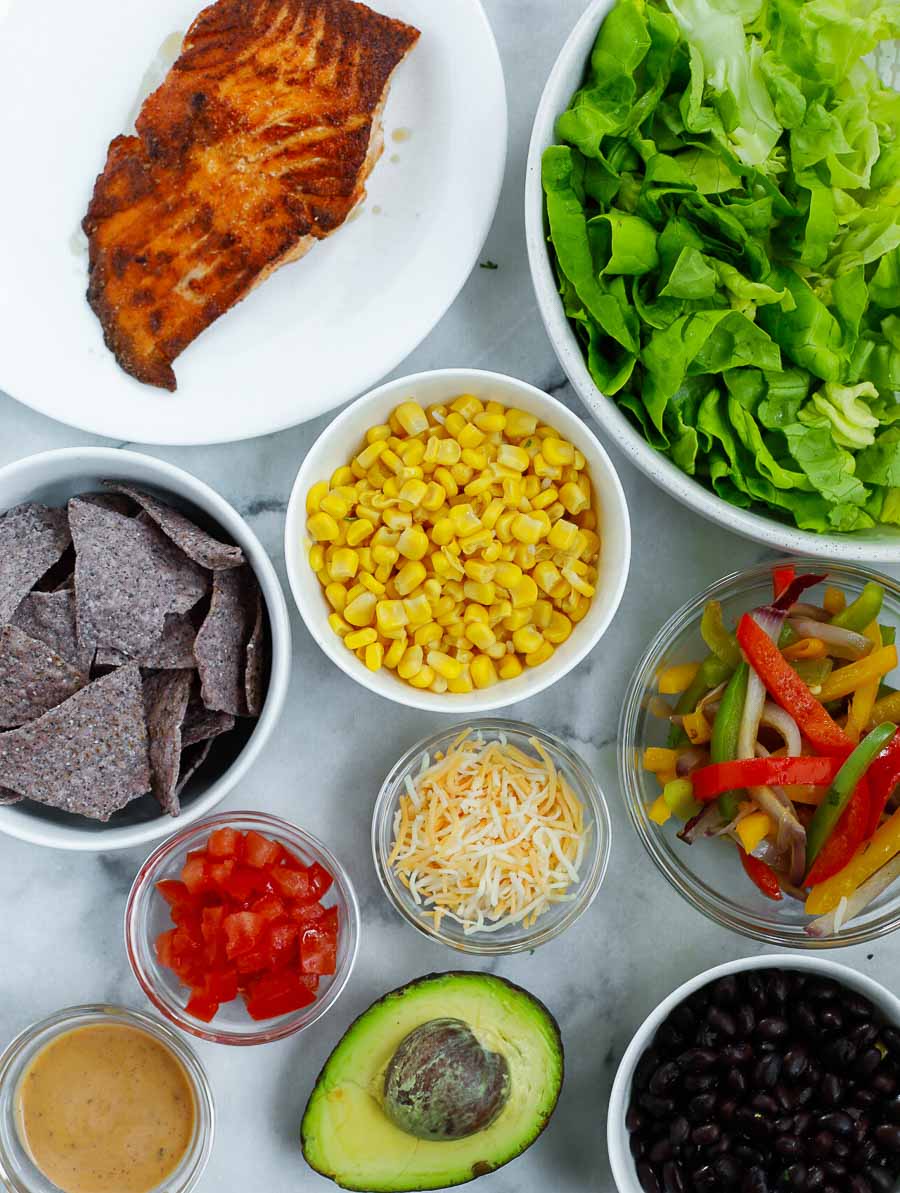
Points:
(62, 913)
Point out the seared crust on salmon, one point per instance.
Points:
(257, 144)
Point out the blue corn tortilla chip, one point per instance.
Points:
(221, 645)
(166, 696)
(173, 650)
(209, 552)
(50, 617)
(89, 755)
(32, 539)
(33, 678)
(128, 577)
(256, 661)
(201, 724)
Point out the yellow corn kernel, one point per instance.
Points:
(369, 582)
(544, 499)
(428, 634)
(442, 532)
(497, 651)
(411, 663)
(344, 564)
(338, 625)
(412, 452)
(526, 529)
(483, 671)
(411, 417)
(557, 452)
(579, 607)
(323, 528)
(527, 639)
(467, 405)
(482, 594)
(489, 422)
(503, 529)
(462, 683)
(453, 633)
(498, 611)
(445, 479)
(376, 477)
(434, 497)
(361, 610)
(448, 453)
(374, 656)
(542, 469)
(510, 667)
(391, 615)
(383, 556)
(315, 495)
(418, 610)
(541, 655)
(476, 613)
(454, 423)
(591, 548)
(465, 520)
(413, 491)
(478, 541)
(413, 543)
(510, 456)
(395, 652)
(546, 575)
(479, 485)
(342, 476)
(390, 488)
(358, 531)
(385, 537)
(520, 424)
(491, 513)
(376, 434)
(395, 519)
(470, 437)
(360, 638)
(454, 567)
(480, 635)
(370, 454)
(332, 503)
(507, 575)
(491, 552)
(541, 614)
(578, 582)
(409, 577)
(474, 458)
(423, 678)
(559, 629)
(513, 491)
(317, 557)
(523, 594)
(443, 606)
(443, 664)
(367, 513)
(336, 596)
(479, 571)
(515, 620)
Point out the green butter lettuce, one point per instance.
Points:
(723, 207)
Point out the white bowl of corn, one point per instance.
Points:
(457, 540)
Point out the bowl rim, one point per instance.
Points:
(478, 701)
(600, 854)
(620, 1159)
(143, 889)
(701, 897)
(185, 486)
(855, 547)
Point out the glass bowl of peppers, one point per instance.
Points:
(759, 754)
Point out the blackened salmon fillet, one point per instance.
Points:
(257, 144)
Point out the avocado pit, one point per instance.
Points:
(442, 1084)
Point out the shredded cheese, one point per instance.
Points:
(488, 835)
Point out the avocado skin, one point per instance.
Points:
(481, 1168)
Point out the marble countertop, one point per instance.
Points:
(62, 930)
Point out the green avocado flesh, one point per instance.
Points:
(435, 1084)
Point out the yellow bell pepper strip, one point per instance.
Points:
(678, 678)
(697, 728)
(711, 673)
(666, 776)
(789, 690)
(865, 695)
(659, 811)
(834, 601)
(657, 758)
(753, 829)
(887, 708)
(679, 795)
(717, 638)
(847, 679)
(868, 858)
(842, 788)
(806, 648)
(863, 610)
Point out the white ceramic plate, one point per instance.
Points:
(318, 332)
(881, 544)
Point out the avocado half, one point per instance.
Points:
(350, 1135)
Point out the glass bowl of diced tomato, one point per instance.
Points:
(777, 816)
(242, 929)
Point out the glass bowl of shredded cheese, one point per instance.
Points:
(491, 836)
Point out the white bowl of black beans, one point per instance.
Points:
(761, 1075)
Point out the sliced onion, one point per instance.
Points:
(705, 824)
(831, 923)
(844, 644)
(712, 696)
(813, 612)
(784, 725)
(791, 833)
(690, 760)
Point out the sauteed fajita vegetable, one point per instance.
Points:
(784, 741)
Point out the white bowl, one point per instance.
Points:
(881, 544)
(620, 1159)
(55, 476)
(343, 436)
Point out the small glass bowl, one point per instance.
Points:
(19, 1173)
(147, 915)
(708, 874)
(514, 938)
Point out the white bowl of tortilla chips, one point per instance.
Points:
(144, 648)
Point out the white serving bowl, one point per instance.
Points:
(881, 544)
(342, 438)
(55, 476)
(620, 1159)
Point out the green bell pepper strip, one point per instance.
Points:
(845, 782)
(863, 611)
(679, 795)
(813, 672)
(725, 731)
(888, 635)
(712, 629)
(711, 672)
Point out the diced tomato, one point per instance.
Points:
(255, 962)
(201, 1006)
(224, 843)
(318, 947)
(195, 875)
(283, 944)
(277, 994)
(306, 913)
(173, 891)
(244, 882)
(260, 851)
(270, 907)
(319, 880)
(221, 872)
(222, 984)
(243, 930)
(164, 951)
(293, 884)
(213, 937)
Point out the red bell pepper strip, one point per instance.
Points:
(883, 777)
(845, 838)
(710, 781)
(786, 688)
(761, 875)
(781, 578)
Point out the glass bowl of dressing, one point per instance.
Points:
(105, 1099)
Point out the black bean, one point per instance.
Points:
(830, 1089)
(669, 1039)
(868, 1097)
(883, 1085)
(834, 1170)
(701, 1107)
(704, 1178)
(821, 1144)
(735, 1081)
(789, 1147)
(736, 1054)
(864, 1034)
(634, 1119)
(661, 1151)
(638, 1145)
(860, 1128)
(839, 1054)
(756, 989)
(887, 1135)
(672, 1177)
(796, 1176)
(805, 1019)
(777, 986)
(805, 1095)
(707, 1037)
(755, 1181)
(815, 1178)
(784, 1125)
(696, 1083)
(836, 1122)
(866, 1153)
(764, 1103)
(745, 1018)
(892, 1110)
(880, 1179)
(679, 1129)
(721, 1021)
(725, 991)
(697, 1060)
(706, 1135)
(645, 1068)
(890, 1037)
(787, 1098)
(727, 1170)
(753, 1124)
(748, 1156)
(822, 989)
(721, 1146)
(664, 1078)
(684, 1019)
(856, 1006)
(859, 1184)
(657, 1107)
(727, 1109)
(773, 1028)
(802, 1123)
(830, 1018)
(795, 1062)
(767, 1070)
(647, 1178)
(865, 1065)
